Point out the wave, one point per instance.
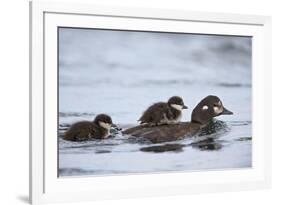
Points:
(76, 114)
(234, 85)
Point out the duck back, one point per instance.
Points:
(164, 133)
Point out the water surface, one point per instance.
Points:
(122, 73)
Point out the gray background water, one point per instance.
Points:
(121, 73)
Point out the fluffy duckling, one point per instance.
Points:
(164, 113)
(86, 130)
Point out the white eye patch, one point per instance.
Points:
(105, 125)
(177, 107)
(205, 107)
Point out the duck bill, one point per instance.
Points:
(226, 112)
(184, 107)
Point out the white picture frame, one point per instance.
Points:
(46, 187)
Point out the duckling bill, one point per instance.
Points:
(203, 113)
(87, 130)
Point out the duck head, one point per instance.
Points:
(210, 107)
(177, 103)
(103, 121)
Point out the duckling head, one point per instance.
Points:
(103, 121)
(177, 103)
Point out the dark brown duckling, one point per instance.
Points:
(163, 113)
(205, 111)
(87, 130)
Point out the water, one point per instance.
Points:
(121, 73)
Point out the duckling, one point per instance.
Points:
(163, 113)
(203, 113)
(87, 130)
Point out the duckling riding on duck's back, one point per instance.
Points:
(203, 113)
(163, 113)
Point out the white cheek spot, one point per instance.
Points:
(205, 107)
(105, 125)
(218, 110)
(177, 107)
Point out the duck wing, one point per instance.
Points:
(163, 133)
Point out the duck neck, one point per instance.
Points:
(202, 124)
(196, 122)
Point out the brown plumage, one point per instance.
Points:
(206, 110)
(164, 133)
(163, 113)
(86, 130)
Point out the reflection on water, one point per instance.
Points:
(244, 139)
(164, 148)
(100, 156)
(122, 73)
(207, 144)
